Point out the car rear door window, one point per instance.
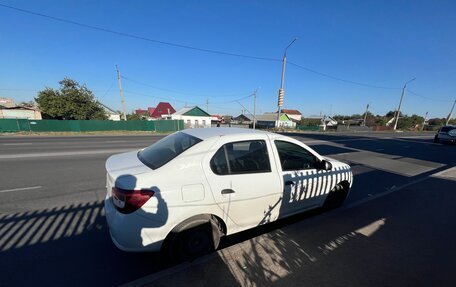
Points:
(241, 157)
(294, 157)
(445, 129)
(166, 149)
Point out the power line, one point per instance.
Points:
(190, 48)
(185, 93)
(340, 79)
(173, 91)
(428, 98)
(162, 98)
(180, 101)
(136, 36)
(29, 90)
(108, 90)
(233, 101)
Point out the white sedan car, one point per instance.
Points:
(184, 192)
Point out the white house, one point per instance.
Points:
(17, 112)
(112, 114)
(293, 114)
(193, 117)
(269, 120)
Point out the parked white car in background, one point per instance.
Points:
(446, 134)
(184, 192)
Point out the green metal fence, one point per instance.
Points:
(13, 125)
(17, 125)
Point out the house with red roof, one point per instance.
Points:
(141, 112)
(162, 110)
(292, 114)
(150, 111)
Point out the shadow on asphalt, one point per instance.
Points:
(66, 246)
(404, 147)
(403, 239)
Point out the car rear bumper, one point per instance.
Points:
(450, 140)
(129, 232)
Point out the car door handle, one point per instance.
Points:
(289, 182)
(227, 191)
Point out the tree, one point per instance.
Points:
(413, 122)
(71, 102)
(310, 122)
(436, 122)
(135, 117)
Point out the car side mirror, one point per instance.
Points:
(325, 165)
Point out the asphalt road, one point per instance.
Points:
(52, 226)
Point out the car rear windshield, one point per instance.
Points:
(166, 149)
(447, 129)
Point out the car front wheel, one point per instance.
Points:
(335, 197)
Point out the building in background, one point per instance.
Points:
(17, 112)
(293, 114)
(112, 114)
(216, 120)
(162, 110)
(141, 112)
(268, 121)
(7, 102)
(243, 119)
(193, 117)
(325, 121)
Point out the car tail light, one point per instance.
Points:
(127, 201)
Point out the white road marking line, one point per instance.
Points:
(50, 154)
(12, 144)
(333, 141)
(20, 189)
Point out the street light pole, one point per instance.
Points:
(365, 115)
(281, 91)
(121, 94)
(451, 112)
(398, 112)
(424, 121)
(254, 108)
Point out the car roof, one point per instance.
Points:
(205, 133)
(448, 127)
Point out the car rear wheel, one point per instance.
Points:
(192, 239)
(336, 197)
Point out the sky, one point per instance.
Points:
(215, 54)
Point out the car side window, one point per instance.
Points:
(294, 157)
(241, 157)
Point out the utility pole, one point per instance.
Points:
(254, 108)
(365, 115)
(121, 94)
(424, 121)
(207, 105)
(449, 115)
(398, 112)
(281, 91)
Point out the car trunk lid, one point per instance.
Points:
(125, 164)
